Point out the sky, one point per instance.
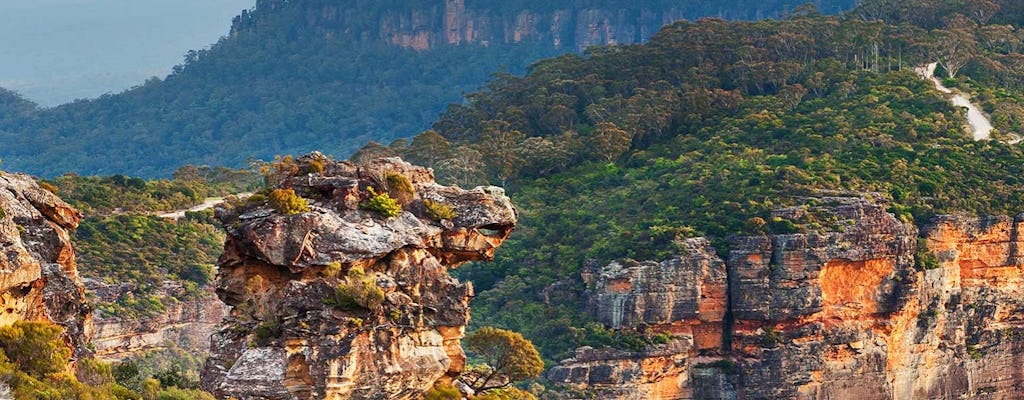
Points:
(56, 51)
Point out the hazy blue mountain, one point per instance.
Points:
(54, 51)
(329, 75)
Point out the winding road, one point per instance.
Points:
(981, 127)
(206, 204)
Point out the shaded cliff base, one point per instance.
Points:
(871, 309)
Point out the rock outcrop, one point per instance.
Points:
(185, 325)
(38, 276)
(436, 24)
(341, 301)
(860, 309)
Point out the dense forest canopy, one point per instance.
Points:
(703, 131)
(289, 80)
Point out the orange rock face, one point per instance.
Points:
(846, 313)
(342, 301)
(38, 276)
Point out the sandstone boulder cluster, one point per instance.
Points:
(341, 301)
(864, 307)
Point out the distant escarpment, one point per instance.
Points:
(38, 276)
(572, 27)
(338, 284)
(861, 308)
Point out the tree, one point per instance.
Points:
(955, 48)
(498, 145)
(35, 347)
(428, 148)
(608, 142)
(507, 357)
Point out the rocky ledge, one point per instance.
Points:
(38, 276)
(340, 300)
(185, 325)
(867, 307)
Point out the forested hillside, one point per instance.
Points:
(327, 75)
(707, 128)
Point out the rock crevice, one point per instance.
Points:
(341, 301)
(38, 275)
(846, 311)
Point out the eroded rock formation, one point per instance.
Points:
(436, 24)
(860, 309)
(342, 302)
(185, 325)
(38, 276)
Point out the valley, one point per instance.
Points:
(820, 205)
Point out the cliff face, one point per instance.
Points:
(341, 302)
(186, 324)
(433, 24)
(859, 312)
(38, 277)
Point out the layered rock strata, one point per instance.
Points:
(437, 24)
(862, 308)
(38, 276)
(185, 325)
(341, 302)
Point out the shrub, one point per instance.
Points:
(183, 394)
(382, 203)
(94, 373)
(400, 188)
(357, 291)
(49, 187)
(924, 259)
(266, 332)
(439, 211)
(509, 393)
(285, 201)
(36, 348)
(317, 165)
(332, 270)
(443, 392)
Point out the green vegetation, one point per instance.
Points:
(34, 362)
(356, 291)
(722, 130)
(35, 348)
(383, 203)
(504, 354)
(119, 223)
(101, 196)
(443, 392)
(163, 374)
(439, 211)
(285, 201)
(924, 259)
(285, 82)
(144, 251)
(400, 188)
(509, 393)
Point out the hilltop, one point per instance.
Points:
(328, 75)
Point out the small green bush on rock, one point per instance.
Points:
(439, 211)
(400, 188)
(357, 291)
(382, 203)
(285, 201)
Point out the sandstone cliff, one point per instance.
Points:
(341, 301)
(863, 310)
(434, 24)
(185, 324)
(38, 277)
